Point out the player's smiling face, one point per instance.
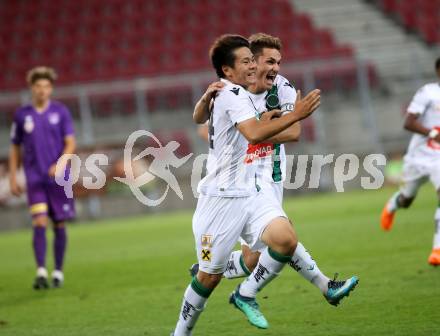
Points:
(244, 70)
(268, 66)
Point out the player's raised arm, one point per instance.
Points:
(257, 131)
(202, 110)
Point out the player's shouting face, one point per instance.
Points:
(244, 70)
(268, 66)
(41, 90)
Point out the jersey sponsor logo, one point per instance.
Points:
(288, 84)
(434, 144)
(54, 118)
(255, 152)
(206, 240)
(235, 90)
(28, 124)
(206, 254)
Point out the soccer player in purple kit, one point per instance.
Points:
(41, 133)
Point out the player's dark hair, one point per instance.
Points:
(41, 72)
(260, 41)
(437, 64)
(222, 51)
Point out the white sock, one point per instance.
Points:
(268, 267)
(236, 267)
(192, 306)
(436, 244)
(41, 272)
(303, 263)
(56, 274)
(392, 203)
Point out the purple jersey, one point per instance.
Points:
(42, 137)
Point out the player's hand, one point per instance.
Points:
(53, 169)
(304, 107)
(268, 115)
(16, 190)
(212, 89)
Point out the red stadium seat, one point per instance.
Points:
(94, 40)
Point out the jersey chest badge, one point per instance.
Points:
(28, 124)
(54, 118)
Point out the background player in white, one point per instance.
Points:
(271, 166)
(422, 160)
(229, 205)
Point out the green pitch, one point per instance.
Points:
(127, 276)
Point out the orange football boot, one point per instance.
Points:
(434, 258)
(387, 218)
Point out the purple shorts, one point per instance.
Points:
(50, 199)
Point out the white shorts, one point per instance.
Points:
(416, 172)
(271, 200)
(218, 222)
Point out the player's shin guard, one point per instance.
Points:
(303, 263)
(268, 267)
(39, 245)
(436, 243)
(236, 267)
(59, 246)
(193, 304)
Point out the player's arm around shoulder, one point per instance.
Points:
(202, 109)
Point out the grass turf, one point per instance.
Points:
(127, 276)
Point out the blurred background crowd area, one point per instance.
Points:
(129, 65)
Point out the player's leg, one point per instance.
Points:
(59, 250)
(269, 225)
(434, 258)
(217, 224)
(61, 209)
(241, 262)
(39, 224)
(413, 177)
(38, 207)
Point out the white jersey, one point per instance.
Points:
(271, 160)
(426, 103)
(228, 175)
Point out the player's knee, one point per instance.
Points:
(209, 280)
(286, 244)
(40, 221)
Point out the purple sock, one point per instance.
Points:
(59, 246)
(39, 244)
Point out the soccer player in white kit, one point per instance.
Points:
(273, 91)
(229, 205)
(422, 160)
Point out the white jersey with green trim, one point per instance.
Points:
(425, 103)
(271, 159)
(228, 175)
